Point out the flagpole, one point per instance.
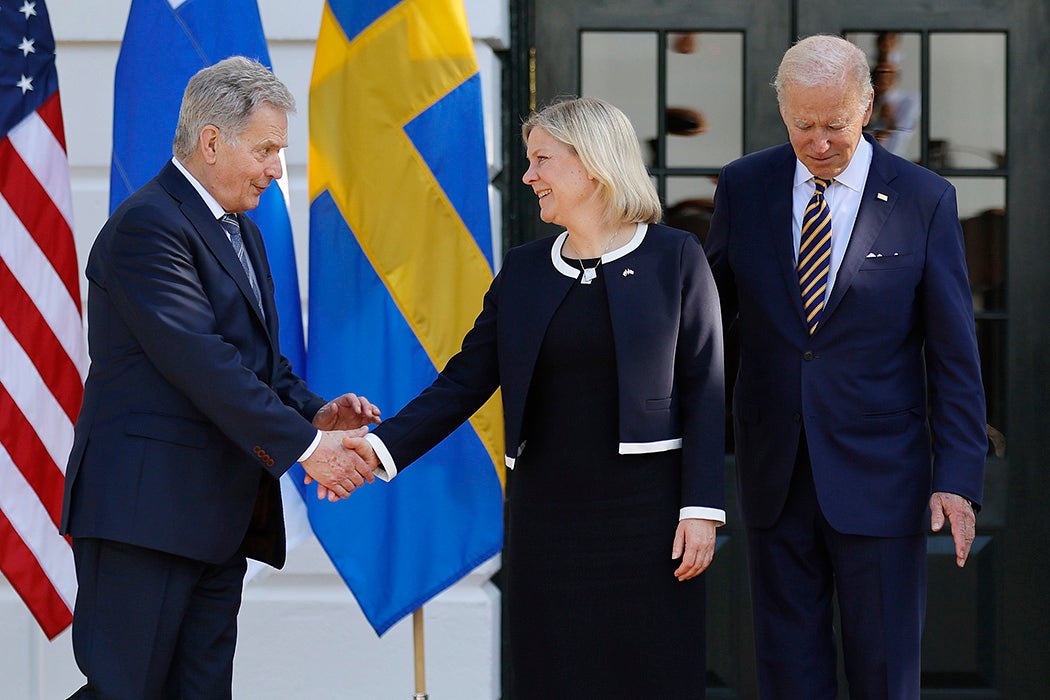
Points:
(421, 666)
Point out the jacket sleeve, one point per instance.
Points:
(717, 251)
(700, 379)
(955, 390)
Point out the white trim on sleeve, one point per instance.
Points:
(387, 469)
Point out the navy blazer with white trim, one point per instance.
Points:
(668, 344)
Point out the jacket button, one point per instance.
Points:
(808, 355)
(797, 417)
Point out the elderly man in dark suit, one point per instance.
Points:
(858, 405)
(190, 413)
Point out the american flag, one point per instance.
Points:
(41, 328)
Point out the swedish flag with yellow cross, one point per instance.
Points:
(401, 254)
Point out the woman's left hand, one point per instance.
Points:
(694, 543)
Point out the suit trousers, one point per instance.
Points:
(148, 625)
(797, 566)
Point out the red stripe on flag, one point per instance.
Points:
(30, 456)
(27, 325)
(31, 583)
(34, 208)
(51, 113)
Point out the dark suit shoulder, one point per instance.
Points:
(908, 173)
(661, 234)
(759, 162)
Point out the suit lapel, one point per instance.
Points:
(219, 244)
(253, 243)
(213, 235)
(876, 203)
(779, 187)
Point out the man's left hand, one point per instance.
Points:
(960, 515)
(347, 412)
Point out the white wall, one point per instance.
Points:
(302, 634)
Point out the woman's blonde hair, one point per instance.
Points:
(605, 141)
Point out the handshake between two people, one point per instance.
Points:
(343, 459)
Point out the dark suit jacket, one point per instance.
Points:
(668, 346)
(190, 412)
(899, 320)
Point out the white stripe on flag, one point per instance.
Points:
(22, 507)
(282, 183)
(46, 159)
(29, 392)
(296, 525)
(45, 288)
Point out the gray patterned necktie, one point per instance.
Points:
(233, 227)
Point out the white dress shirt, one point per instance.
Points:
(843, 198)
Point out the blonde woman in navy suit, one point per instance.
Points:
(607, 343)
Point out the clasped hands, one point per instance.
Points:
(334, 465)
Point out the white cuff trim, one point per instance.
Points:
(716, 514)
(310, 450)
(387, 469)
(638, 448)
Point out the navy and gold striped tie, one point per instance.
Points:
(814, 254)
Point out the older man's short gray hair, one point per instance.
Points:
(225, 95)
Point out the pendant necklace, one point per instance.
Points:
(588, 274)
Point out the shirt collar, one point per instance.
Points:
(855, 174)
(213, 204)
(568, 270)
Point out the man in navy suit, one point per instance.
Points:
(190, 413)
(858, 406)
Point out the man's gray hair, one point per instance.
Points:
(225, 95)
(823, 59)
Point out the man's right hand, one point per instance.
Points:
(337, 469)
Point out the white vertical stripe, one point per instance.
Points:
(33, 524)
(45, 288)
(282, 183)
(46, 159)
(34, 398)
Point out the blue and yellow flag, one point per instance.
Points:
(400, 258)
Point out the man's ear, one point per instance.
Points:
(208, 143)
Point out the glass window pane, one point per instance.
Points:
(704, 114)
(690, 203)
(982, 211)
(896, 70)
(968, 100)
(620, 67)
